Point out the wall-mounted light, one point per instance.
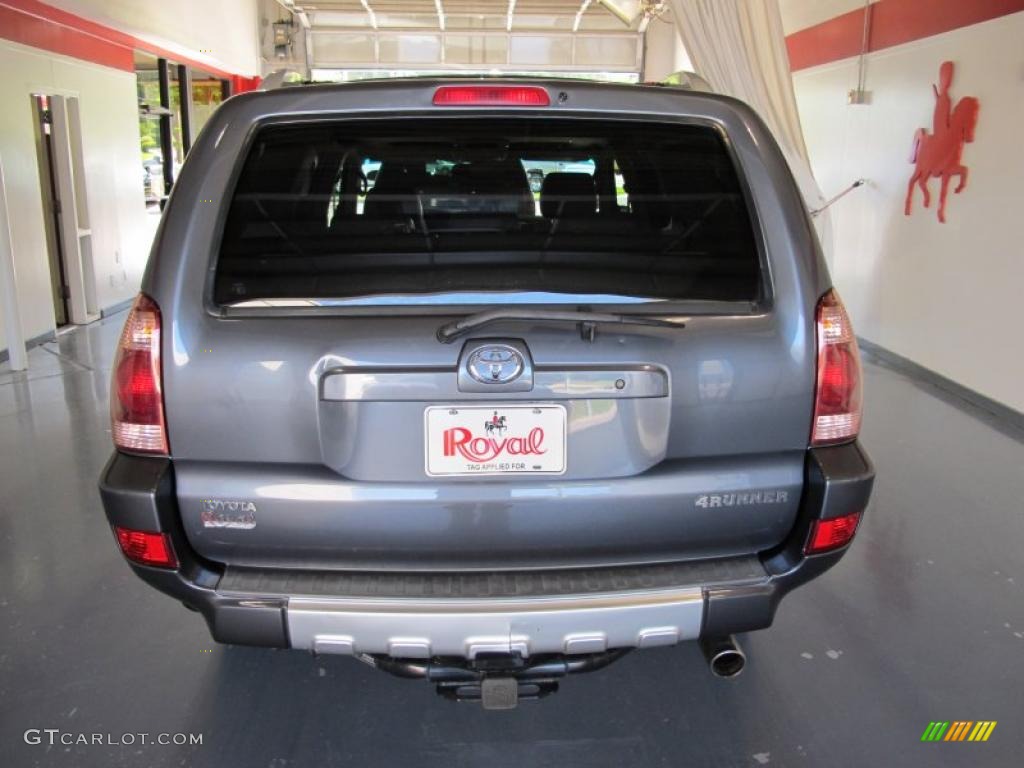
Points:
(282, 39)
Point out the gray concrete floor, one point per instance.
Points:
(923, 620)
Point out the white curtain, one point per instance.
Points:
(739, 48)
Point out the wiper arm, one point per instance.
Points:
(448, 332)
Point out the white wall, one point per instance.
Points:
(947, 296)
(222, 33)
(113, 176)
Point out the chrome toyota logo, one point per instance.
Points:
(495, 364)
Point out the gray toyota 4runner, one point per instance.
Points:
(380, 398)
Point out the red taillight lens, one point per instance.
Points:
(136, 397)
(491, 96)
(837, 405)
(146, 548)
(831, 534)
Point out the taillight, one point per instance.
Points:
(146, 548)
(837, 402)
(491, 96)
(136, 396)
(831, 534)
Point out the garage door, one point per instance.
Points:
(475, 35)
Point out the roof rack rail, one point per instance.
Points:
(281, 78)
(687, 80)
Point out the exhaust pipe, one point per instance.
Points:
(724, 656)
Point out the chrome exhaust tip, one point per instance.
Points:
(723, 655)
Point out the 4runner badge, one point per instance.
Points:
(218, 513)
(745, 499)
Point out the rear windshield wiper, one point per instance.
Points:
(586, 320)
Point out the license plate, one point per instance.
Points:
(495, 440)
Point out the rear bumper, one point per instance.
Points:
(418, 616)
(423, 629)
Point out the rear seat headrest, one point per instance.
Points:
(565, 194)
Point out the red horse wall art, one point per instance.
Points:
(938, 154)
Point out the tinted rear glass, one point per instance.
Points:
(479, 209)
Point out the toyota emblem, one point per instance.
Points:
(495, 364)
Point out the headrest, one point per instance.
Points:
(400, 176)
(571, 195)
(497, 177)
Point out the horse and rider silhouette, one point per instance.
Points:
(938, 154)
(495, 424)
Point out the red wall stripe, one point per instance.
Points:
(241, 84)
(52, 35)
(831, 40)
(893, 22)
(38, 25)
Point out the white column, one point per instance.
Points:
(664, 52)
(8, 287)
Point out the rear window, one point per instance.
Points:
(479, 210)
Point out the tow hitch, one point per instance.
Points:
(496, 680)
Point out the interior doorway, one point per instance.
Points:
(60, 289)
(66, 208)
